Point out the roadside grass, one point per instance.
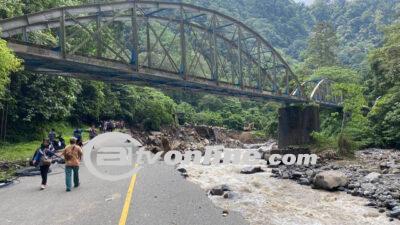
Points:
(21, 151)
(18, 151)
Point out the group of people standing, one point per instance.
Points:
(72, 155)
(111, 125)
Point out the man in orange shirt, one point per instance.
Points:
(72, 155)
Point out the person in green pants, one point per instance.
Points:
(72, 155)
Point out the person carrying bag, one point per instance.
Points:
(43, 158)
(72, 155)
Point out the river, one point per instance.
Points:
(263, 200)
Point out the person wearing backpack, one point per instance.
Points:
(43, 158)
(72, 155)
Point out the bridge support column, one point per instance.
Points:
(296, 123)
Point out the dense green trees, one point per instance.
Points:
(8, 63)
(34, 100)
(337, 74)
(283, 23)
(91, 102)
(358, 25)
(372, 102)
(287, 25)
(384, 88)
(322, 46)
(351, 124)
(232, 113)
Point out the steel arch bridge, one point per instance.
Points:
(165, 44)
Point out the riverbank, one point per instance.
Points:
(374, 174)
(264, 198)
(250, 194)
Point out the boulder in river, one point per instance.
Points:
(330, 180)
(229, 195)
(304, 181)
(251, 170)
(395, 213)
(372, 177)
(219, 190)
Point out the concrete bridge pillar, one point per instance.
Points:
(296, 123)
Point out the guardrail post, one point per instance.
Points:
(24, 35)
(214, 51)
(183, 45)
(148, 43)
(241, 82)
(274, 71)
(62, 33)
(98, 36)
(135, 44)
(287, 81)
(259, 78)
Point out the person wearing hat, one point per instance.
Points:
(72, 155)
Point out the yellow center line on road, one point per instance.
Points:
(128, 198)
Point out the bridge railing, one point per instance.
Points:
(180, 39)
(319, 91)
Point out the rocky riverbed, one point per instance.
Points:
(374, 175)
(369, 193)
(365, 189)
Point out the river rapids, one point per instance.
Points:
(263, 200)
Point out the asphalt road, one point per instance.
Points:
(160, 197)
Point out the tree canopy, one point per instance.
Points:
(8, 63)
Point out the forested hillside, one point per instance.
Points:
(355, 43)
(287, 25)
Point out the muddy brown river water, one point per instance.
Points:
(264, 200)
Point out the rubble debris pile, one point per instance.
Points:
(187, 138)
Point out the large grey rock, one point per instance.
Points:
(330, 180)
(219, 190)
(395, 213)
(251, 170)
(372, 177)
(369, 187)
(304, 181)
(230, 195)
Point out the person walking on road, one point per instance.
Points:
(43, 159)
(92, 132)
(52, 136)
(78, 135)
(72, 155)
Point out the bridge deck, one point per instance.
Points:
(49, 61)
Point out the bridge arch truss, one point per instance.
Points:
(190, 43)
